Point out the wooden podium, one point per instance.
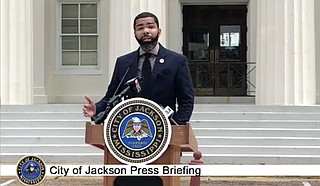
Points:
(182, 140)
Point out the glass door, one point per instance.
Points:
(215, 44)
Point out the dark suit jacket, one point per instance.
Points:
(170, 82)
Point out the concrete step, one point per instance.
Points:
(256, 132)
(42, 140)
(53, 123)
(79, 158)
(289, 124)
(254, 116)
(247, 159)
(271, 141)
(226, 134)
(205, 149)
(254, 108)
(235, 159)
(80, 131)
(202, 140)
(197, 108)
(195, 116)
(262, 124)
(234, 132)
(18, 116)
(42, 108)
(260, 150)
(49, 148)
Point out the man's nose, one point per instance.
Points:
(146, 31)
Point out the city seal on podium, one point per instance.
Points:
(137, 131)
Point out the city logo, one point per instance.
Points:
(137, 131)
(31, 170)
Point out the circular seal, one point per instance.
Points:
(137, 131)
(31, 170)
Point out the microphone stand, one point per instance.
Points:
(99, 119)
(111, 103)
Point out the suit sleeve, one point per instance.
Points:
(102, 104)
(184, 92)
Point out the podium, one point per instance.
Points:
(182, 140)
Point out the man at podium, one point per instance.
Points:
(152, 71)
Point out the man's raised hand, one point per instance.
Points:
(89, 109)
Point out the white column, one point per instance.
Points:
(285, 52)
(317, 43)
(39, 94)
(174, 26)
(122, 13)
(16, 51)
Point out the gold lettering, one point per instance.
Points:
(137, 155)
(119, 116)
(159, 129)
(156, 117)
(155, 144)
(127, 152)
(143, 153)
(151, 114)
(115, 125)
(141, 109)
(114, 129)
(147, 110)
(158, 123)
(125, 111)
(116, 121)
(122, 150)
(151, 149)
(116, 142)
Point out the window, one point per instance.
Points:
(230, 43)
(78, 37)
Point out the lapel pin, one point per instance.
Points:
(161, 60)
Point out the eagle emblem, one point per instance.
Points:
(31, 169)
(136, 128)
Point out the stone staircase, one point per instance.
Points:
(226, 134)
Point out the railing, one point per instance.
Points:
(223, 78)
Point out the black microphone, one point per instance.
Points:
(121, 81)
(134, 83)
(101, 116)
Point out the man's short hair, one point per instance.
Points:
(144, 15)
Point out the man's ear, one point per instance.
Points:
(159, 31)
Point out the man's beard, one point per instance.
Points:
(148, 45)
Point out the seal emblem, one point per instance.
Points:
(31, 170)
(137, 131)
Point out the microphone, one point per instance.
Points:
(135, 83)
(169, 113)
(124, 75)
(132, 81)
(101, 116)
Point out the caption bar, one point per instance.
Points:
(122, 170)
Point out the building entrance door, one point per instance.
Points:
(215, 42)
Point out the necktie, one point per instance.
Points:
(146, 73)
(146, 67)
